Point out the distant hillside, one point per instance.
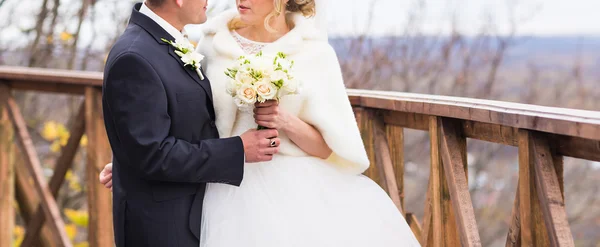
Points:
(553, 50)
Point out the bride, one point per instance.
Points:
(312, 193)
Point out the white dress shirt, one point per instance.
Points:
(162, 23)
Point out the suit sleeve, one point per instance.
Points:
(137, 104)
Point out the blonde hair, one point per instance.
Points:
(306, 7)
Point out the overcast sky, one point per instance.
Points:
(547, 17)
(348, 17)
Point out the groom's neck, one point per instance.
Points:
(168, 13)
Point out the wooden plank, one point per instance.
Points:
(407, 120)
(48, 87)
(525, 188)
(550, 194)
(34, 166)
(570, 122)
(427, 222)
(491, 132)
(367, 133)
(395, 138)
(7, 189)
(100, 230)
(453, 147)
(435, 237)
(533, 232)
(63, 163)
(384, 161)
(29, 201)
(576, 147)
(42, 75)
(569, 146)
(513, 238)
(414, 225)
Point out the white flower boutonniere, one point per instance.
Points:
(185, 50)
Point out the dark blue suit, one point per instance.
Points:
(160, 123)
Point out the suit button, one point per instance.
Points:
(212, 124)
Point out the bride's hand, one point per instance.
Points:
(269, 115)
(105, 176)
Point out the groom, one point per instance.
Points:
(160, 123)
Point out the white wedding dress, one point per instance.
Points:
(294, 200)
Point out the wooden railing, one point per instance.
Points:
(543, 135)
(37, 203)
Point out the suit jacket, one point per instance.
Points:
(161, 126)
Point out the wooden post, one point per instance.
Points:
(435, 233)
(533, 231)
(453, 147)
(365, 116)
(383, 158)
(549, 192)
(100, 231)
(395, 139)
(7, 197)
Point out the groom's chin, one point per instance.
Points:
(200, 20)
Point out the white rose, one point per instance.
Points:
(265, 90)
(191, 58)
(291, 86)
(247, 94)
(184, 44)
(243, 77)
(279, 75)
(285, 64)
(263, 64)
(232, 87)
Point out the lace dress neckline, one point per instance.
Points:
(250, 47)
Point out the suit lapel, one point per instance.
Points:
(192, 73)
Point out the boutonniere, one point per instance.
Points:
(186, 51)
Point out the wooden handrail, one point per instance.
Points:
(52, 76)
(571, 122)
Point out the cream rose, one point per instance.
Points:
(265, 90)
(247, 94)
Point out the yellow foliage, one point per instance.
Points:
(50, 131)
(73, 181)
(64, 36)
(57, 133)
(71, 230)
(63, 134)
(50, 39)
(75, 185)
(18, 234)
(82, 244)
(84, 141)
(55, 147)
(78, 217)
(69, 175)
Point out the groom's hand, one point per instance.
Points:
(257, 145)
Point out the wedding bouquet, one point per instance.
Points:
(260, 78)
